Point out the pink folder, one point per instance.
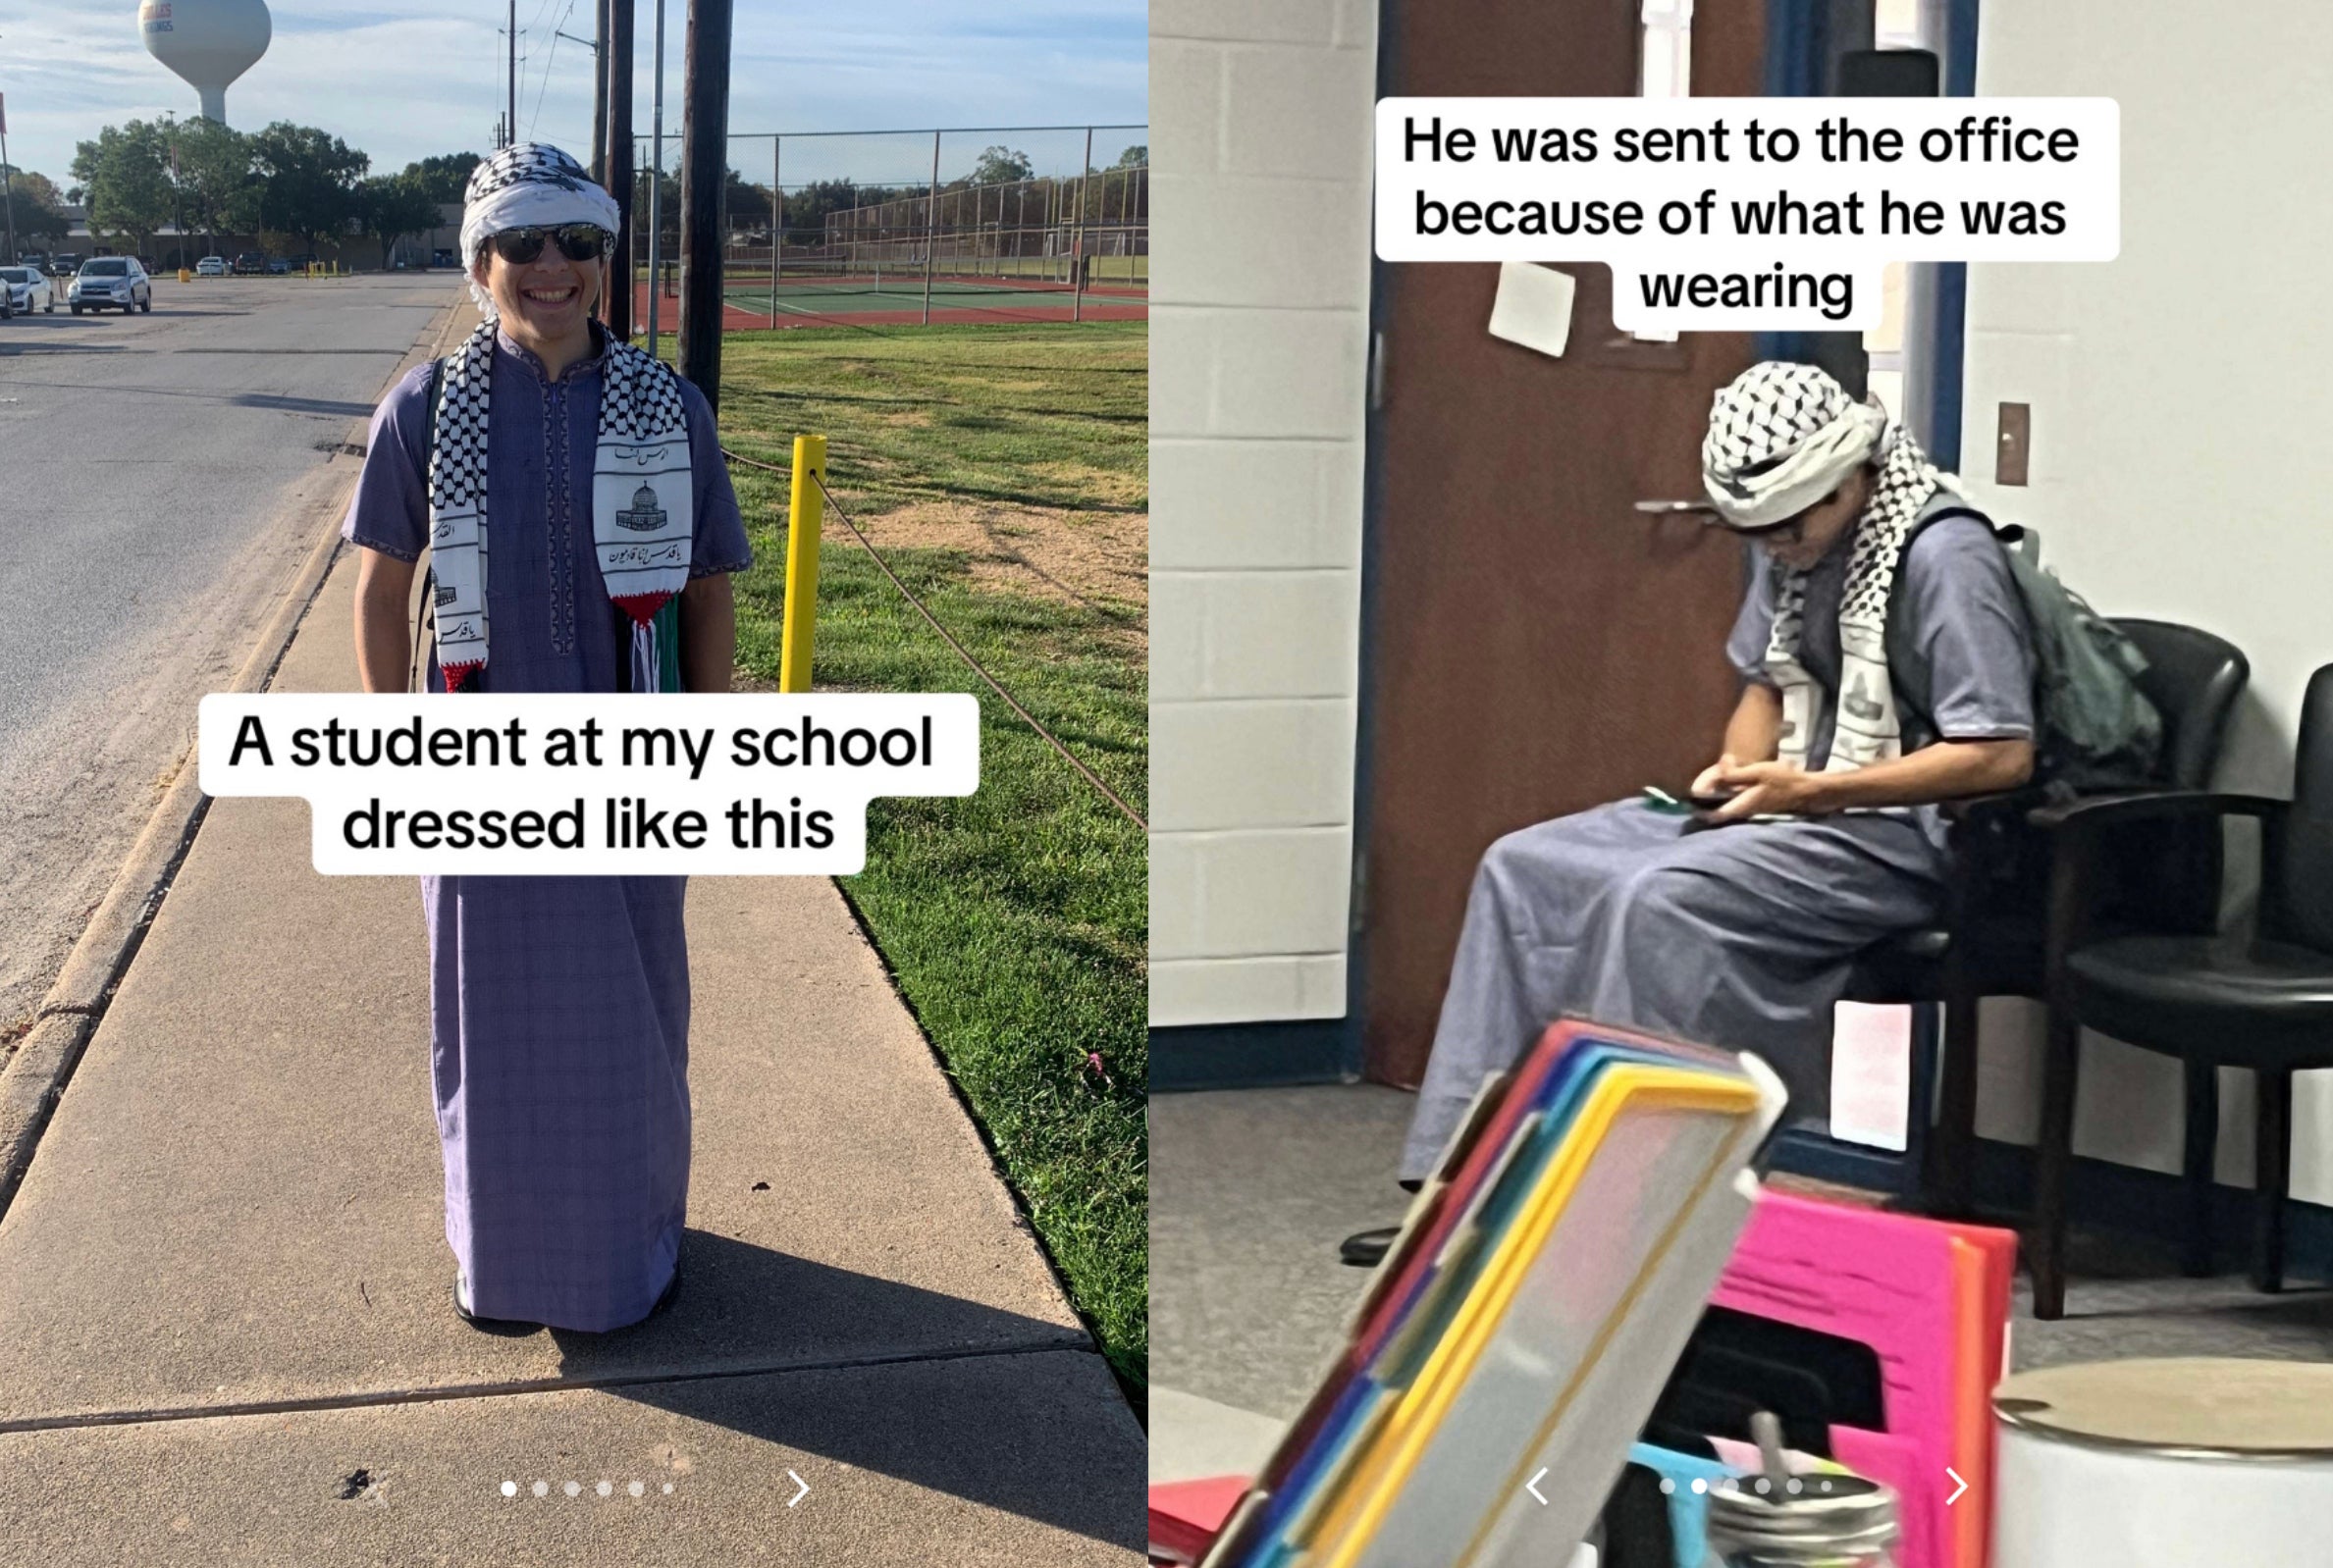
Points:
(1891, 1281)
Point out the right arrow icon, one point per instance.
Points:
(1958, 1489)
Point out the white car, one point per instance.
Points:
(28, 290)
(211, 267)
(110, 283)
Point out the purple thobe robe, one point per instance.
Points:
(559, 1006)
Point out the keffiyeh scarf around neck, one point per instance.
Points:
(1781, 437)
(643, 494)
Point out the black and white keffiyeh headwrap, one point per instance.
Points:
(643, 488)
(531, 184)
(1781, 437)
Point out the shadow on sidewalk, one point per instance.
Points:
(1037, 1453)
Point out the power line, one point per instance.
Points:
(543, 86)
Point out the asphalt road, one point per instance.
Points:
(162, 477)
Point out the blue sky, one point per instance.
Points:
(426, 76)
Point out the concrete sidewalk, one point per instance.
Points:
(225, 1326)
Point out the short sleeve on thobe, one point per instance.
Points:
(1966, 627)
(390, 509)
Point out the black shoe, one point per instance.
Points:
(501, 1326)
(1367, 1249)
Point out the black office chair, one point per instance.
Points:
(1990, 941)
(2135, 952)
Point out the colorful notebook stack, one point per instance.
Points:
(1516, 1339)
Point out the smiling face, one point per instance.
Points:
(1807, 538)
(545, 305)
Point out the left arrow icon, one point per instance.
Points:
(799, 1496)
(1532, 1485)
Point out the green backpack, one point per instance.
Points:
(2098, 730)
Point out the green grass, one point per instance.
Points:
(1015, 920)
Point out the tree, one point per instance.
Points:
(310, 181)
(1002, 166)
(443, 178)
(216, 189)
(34, 206)
(393, 206)
(807, 208)
(744, 204)
(125, 175)
(1136, 157)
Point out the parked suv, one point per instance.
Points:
(115, 283)
(250, 264)
(65, 263)
(211, 267)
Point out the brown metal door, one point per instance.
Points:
(1538, 646)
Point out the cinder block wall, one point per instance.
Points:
(1260, 119)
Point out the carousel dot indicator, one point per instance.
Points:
(509, 1489)
(668, 1488)
(637, 1487)
(542, 1489)
(573, 1488)
(605, 1489)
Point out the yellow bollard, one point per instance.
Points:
(805, 512)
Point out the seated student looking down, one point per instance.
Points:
(1886, 665)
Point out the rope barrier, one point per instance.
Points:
(963, 653)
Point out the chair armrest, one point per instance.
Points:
(2094, 811)
(2085, 863)
(1997, 806)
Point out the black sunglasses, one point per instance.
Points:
(577, 241)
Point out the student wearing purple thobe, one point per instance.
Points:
(559, 1006)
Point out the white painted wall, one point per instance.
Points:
(1259, 207)
(2181, 399)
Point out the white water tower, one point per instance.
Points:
(208, 42)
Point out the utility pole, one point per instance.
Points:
(704, 186)
(8, 194)
(600, 97)
(617, 309)
(656, 187)
(511, 116)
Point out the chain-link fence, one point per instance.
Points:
(974, 224)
